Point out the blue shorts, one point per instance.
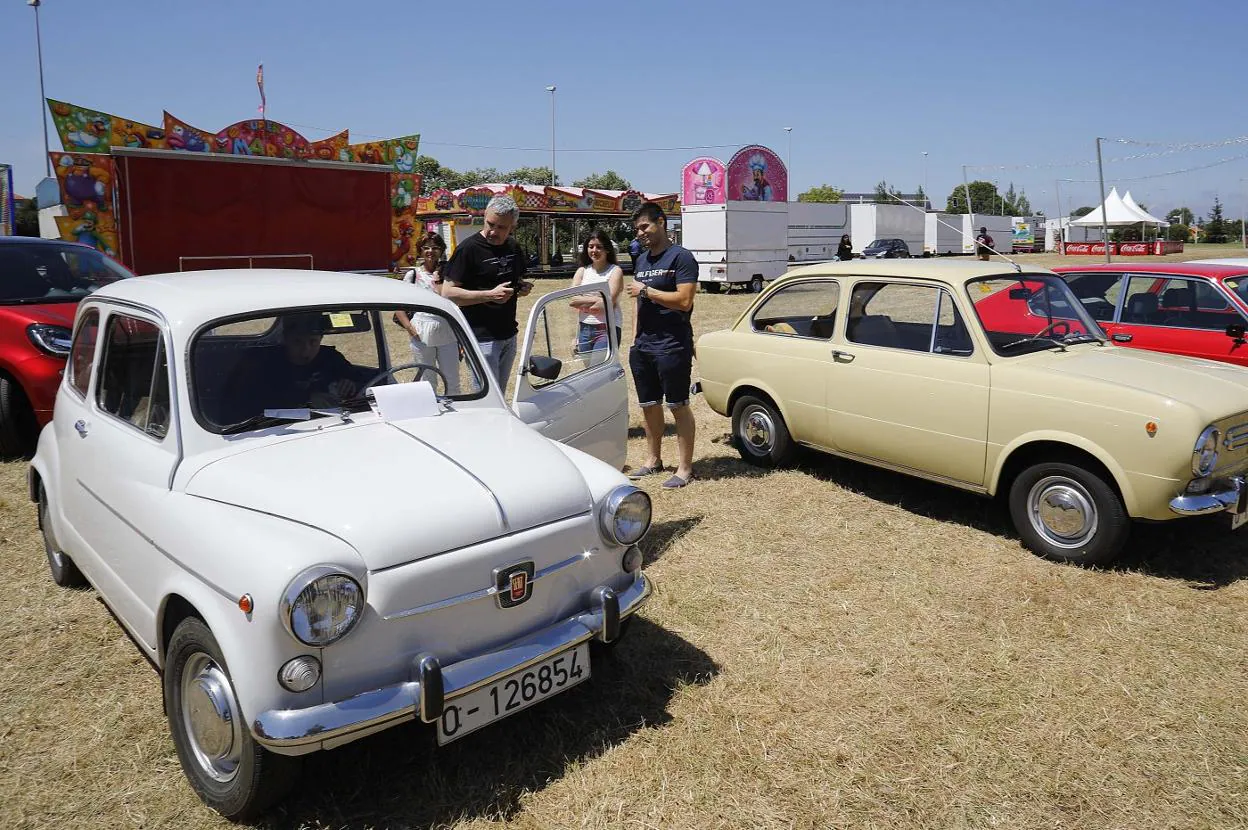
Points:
(591, 337)
(660, 377)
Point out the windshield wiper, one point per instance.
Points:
(1034, 339)
(276, 417)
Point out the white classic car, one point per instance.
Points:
(314, 537)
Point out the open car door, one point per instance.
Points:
(570, 385)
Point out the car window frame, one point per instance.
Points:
(941, 290)
(87, 313)
(162, 347)
(838, 316)
(1121, 278)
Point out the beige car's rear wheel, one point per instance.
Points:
(759, 431)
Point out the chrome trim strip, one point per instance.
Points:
(1235, 437)
(338, 722)
(483, 593)
(231, 597)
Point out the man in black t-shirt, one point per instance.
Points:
(664, 282)
(484, 277)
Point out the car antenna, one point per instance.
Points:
(1018, 268)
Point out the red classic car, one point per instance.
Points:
(1187, 308)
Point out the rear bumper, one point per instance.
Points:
(332, 724)
(1223, 496)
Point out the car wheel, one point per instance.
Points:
(760, 433)
(1066, 513)
(64, 572)
(18, 428)
(756, 284)
(226, 767)
(711, 287)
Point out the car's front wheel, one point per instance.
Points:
(711, 287)
(64, 572)
(756, 284)
(1065, 512)
(227, 768)
(760, 433)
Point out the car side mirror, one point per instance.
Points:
(1235, 331)
(546, 368)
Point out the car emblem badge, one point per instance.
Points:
(513, 585)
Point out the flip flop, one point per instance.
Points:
(647, 470)
(676, 481)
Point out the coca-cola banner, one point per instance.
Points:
(1158, 247)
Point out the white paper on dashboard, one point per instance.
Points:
(401, 401)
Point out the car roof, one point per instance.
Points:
(38, 240)
(191, 298)
(950, 271)
(1196, 267)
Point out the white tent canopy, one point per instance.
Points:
(1117, 213)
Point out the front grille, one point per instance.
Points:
(1236, 437)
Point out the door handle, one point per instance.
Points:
(82, 427)
(842, 357)
(1122, 338)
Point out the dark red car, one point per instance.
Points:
(41, 283)
(1188, 308)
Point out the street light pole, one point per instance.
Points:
(788, 162)
(551, 89)
(1100, 173)
(1243, 211)
(926, 197)
(43, 116)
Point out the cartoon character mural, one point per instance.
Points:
(86, 180)
(327, 149)
(90, 228)
(756, 174)
(703, 182)
(182, 136)
(401, 244)
(81, 130)
(135, 134)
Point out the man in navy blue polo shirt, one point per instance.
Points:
(664, 282)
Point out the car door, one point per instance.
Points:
(570, 385)
(124, 456)
(907, 385)
(1179, 315)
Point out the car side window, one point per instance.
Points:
(133, 381)
(1097, 291)
(82, 352)
(916, 318)
(1177, 303)
(806, 309)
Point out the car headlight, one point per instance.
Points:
(321, 605)
(625, 515)
(54, 340)
(1205, 455)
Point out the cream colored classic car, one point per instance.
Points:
(989, 379)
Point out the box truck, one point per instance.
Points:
(737, 243)
(869, 222)
(815, 230)
(943, 234)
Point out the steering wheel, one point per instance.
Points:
(385, 373)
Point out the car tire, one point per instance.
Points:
(229, 771)
(18, 428)
(711, 287)
(759, 431)
(1067, 513)
(756, 284)
(64, 572)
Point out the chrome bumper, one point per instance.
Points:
(339, 722)
(1225, 496)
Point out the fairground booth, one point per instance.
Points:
(1121, 212)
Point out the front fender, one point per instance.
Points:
(1120, 475)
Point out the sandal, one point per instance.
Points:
(646, 470)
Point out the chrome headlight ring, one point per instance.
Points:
(321, 605)
(1205, 454)
(625, 515)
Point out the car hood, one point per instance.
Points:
(398, 492)
(1218, 389)
(55, 314)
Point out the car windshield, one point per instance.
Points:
(53, 272)
(244, 369)
(879, 243)
(1030, 313)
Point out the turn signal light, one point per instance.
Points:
(245, 604)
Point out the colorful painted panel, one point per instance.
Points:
(327, 149)
(86, 180)
(81, 130)
(756, 174)
(182, 136)
(99, 230)
(257, 137)
(135, 134)
(702, 182)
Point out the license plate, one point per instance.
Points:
(508, 695)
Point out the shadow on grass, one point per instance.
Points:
(400, 778)
(1201, 551)
(662, 535)
(669, 431)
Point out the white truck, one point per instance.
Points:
(1000, 228)
(815, 230)
(869, 222)
(737, 243)
(942, 234)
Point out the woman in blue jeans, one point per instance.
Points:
(598, 265)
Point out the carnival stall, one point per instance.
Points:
(1120, 212)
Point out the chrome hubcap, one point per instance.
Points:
(757, 430)
(1062, 511)
(209, 716)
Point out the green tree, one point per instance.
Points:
(1180, 216)
(920, 197)
(609, 180)
(1011, 200)
(479, 175)
(433, 175)
(821, 193)
(1022, 206)
(1215, 228)
(1178, 232)
(528, 175)
(984, 198)
(26, 218)
(886, 194)
(1082, 211)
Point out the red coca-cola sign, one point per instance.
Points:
(1134, 248)
(1083, 248)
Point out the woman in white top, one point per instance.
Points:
(597, 265)
(433, 339)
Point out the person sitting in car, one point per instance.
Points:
(302, 373)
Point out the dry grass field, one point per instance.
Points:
(829, 646)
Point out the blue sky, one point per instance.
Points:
(867, 87)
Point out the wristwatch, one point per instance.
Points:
(644, 292)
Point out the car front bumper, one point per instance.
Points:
(1223, 495)
(327, 725)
